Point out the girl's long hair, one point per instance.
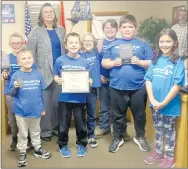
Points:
(158, 52)
(40, 17)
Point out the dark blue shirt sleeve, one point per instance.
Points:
(149, 73)
(57, 68)
(12, 90)
(107, 54)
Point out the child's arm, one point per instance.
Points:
(148, 53)
(14, 86)
(57, 73)
(107, 62)
(150, 94)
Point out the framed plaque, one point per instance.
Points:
(125, 53)
(75, 81)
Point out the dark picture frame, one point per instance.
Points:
(175, 13)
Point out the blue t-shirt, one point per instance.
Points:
(128, 76)
(28, 101)
(163, 75)
(67, 63)
(13, 68)
(94, 63)
(56, 45)
(105, 72)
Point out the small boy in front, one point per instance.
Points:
(27, 86)
(71, 102)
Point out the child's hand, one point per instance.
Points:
(135, 60)
(43, 113)
(104, 80)
(117, 62)
(16, 84)
(5, 75)
(159, 106)
(58, 80)
(90, 81)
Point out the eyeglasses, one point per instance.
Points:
(88, 41)
(16, 44)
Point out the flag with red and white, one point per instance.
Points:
(62, 15)
(28, 26)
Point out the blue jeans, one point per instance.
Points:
(91, 112)
(104, 116)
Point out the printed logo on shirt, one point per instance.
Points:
(71, 67)
(163, 72)
(31, 84)
(92, 60)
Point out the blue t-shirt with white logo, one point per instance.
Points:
(163, 76)
(94, 63)
(67, 63)
(56, 45)
(28, 101)
(14, 66)
(128, 76)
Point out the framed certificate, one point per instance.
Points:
(125, 52)
(75, 81)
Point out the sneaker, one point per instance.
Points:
(22, 161)
(126, 137)
(99, 133)
(13, 146)
(155, 157)
(81, 151)
(116, 143)
(167, 163)
(142, 143)
(65, 152)
(92, 142)
(42, 153)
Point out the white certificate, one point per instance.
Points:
(75, 81)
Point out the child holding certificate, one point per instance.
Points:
(71, 102)
(127, 84)
(91, 53)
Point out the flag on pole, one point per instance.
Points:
(28, 26)
(62, 15)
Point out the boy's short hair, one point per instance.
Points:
(93, 37)
(16, 34)
(25, 50)
(112, 22)
(71, 34)
(127, 19)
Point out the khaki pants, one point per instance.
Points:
(33, 125)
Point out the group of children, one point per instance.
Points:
(119, 85)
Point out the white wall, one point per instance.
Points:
(140, 9)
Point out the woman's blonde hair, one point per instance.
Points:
(40, 18)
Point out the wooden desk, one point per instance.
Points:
(4, 123)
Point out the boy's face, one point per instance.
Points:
(25, 60)
(16, 44)
(48, 14)
(127, 30)
(109, 31)
(166, 44)
(88, 43)
(73, 44)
